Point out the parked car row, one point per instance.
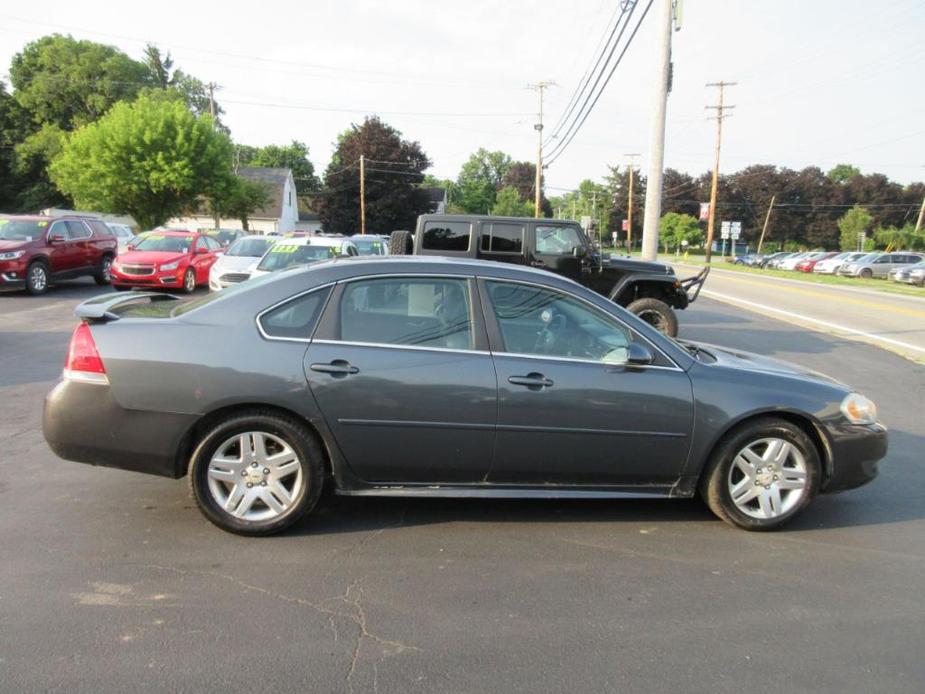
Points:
(898, 266)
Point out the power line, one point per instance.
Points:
(560, 148)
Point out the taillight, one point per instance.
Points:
(83, 360)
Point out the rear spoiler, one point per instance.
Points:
(99, 309)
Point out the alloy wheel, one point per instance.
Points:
(106, 270)
(38, 277)
(767, 478)
(255, 476)
(189, 281)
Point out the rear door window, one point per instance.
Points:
(295, 319)
(451, 237)
(77, 230)
(502, 237)
(420, 312)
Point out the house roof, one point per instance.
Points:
(275, 181)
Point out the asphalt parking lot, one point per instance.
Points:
(112, 581)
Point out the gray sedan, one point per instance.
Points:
(429, 377)
(878, 264)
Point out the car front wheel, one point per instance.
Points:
(189, 281)
(656, 313)
(256, 473)
(37, 279)
(762, 475)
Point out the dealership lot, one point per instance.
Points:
(113, 581)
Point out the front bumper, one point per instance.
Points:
(82, 422)
(856, 451)
(12, 274)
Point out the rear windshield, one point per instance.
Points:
(252, 247)
(157, 242)
(284, 255)
(369, 246)
(19, 230)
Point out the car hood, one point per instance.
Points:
(234, 263)
(631, 265)
(11, 245)
(150, 257)
(748, 361)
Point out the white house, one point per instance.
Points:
(280, 215)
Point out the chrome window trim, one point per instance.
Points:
(597, 309)
(274, 338)
(390, 345)
(588, 361)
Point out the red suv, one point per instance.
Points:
(179, 259)
(36, 251)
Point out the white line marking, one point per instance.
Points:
(798, 316)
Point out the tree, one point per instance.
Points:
(394, 171)
(675, 228)
(292, 156)
(509, 204)
(842, 173)
(480, 179)
(193, 91)
(851, 225)
(521, 175)
(151, 158)
(238, 198)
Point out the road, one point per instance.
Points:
(892, 321)
(112, 581)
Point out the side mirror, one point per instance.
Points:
(639, 355)
(579, 251)
(202, 251)
(56, 238)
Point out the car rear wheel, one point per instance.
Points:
(189, 281)
(37, 278)
(762, 475)
(256, 473)
(656, 313)
(103, 276)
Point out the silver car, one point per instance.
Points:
(123, 233)
(910, 274)
(879, 264)
(830, 266)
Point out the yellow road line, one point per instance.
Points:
(841, 298)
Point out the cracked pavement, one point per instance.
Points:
(112, 581)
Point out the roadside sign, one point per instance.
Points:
(724, 230)
(626, 224)
(735, 230)
(704, 211)
(586, 222)
(614, 235)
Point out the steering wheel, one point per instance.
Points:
(548, 336)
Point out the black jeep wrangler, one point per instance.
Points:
(650, 290)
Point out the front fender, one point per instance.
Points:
(667, 286)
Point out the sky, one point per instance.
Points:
(820, 82)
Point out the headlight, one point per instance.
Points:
(12, 255)
(170, 266)
(858, 409)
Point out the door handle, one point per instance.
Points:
(336, 367)
(534, 381)
(538, 263)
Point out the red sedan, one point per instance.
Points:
(176, 259)
(807, 264)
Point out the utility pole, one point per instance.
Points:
(538, 193)
(629, 203)
(720, 109)
(653, 211)
(764, 229)
(212, 87)
(918, 224)
(362, 195)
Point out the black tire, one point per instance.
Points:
(102, 276)
(713, 482)
(120, 287)
(656, 313)
(37, 278)
(866, 273)
(295, 434)
(401, 243)
(189, 281)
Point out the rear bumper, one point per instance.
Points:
(856, 452)
(83, 423)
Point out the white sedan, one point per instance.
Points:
(830, 266)
(289, 252)
(233, 266)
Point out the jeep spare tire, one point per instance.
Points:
(401, 243)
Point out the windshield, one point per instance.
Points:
(252, 247)
(369, 246)
(284, 255)
(166, 244)
(869, 257)
(16, 230)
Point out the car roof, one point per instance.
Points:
(313, 240)
(493, 218)
(172, 232)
